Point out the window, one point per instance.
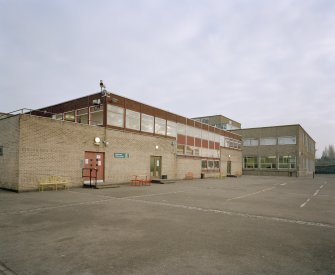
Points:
(115, 115)
(250, 162)
(197, 132)
(82, 116)
(268, 162)
(180, 149)
(69, 116)
(250, 142)
(287, 140)
(222, 141)
(268, 141)
(287, 162)
(181, 129)
(1, 151)
(96, 115)
(171, 128)
(58, 116)
(216, 164)
(160, 126)
(210, 164)
(189, 151)
(204, 164)
(133, 120)
(147, 124)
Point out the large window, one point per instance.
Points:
(160, 126)
(268, 141)
(115, 115)
(269, 162)
(250, 142)
(82, 116)
(133, 120)
(147, 124)
(287, 140)
(181, 129)
(96, 115)
(180, 149)
(287, 162)
(70, 116)
(250, 162)
(171, 128)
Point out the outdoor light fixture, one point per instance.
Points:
(97, 141)
(157, 147)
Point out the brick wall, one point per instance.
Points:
(51, 147)
(235, 156)
(9, 162)
(188, 165)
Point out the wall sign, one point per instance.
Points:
(121, 155)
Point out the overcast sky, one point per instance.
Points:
(260, 62)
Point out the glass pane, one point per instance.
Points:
(133, 120)
(147, 123)
(115, 115)
(171, 129)
(69, 116)
(160, 126)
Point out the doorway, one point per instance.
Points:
(155, 167)
(96, 162)
(229, 167)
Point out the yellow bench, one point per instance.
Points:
(53, 182)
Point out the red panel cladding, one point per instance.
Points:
(211, 144)
(204, 143)
(197, 142)
(217, 145)
(181, 139)
(190, 141)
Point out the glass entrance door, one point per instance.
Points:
(155, 167)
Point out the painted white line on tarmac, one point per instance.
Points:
(251, 194)
(237, 214)
(315, 193)
(283, 184)
(151, 195)
(305, 202)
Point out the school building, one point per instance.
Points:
(116, 138)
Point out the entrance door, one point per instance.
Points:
(94, 160)
(229, 167)
(155, 167)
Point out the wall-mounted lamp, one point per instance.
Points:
(157, 147)
(228, 156)
(97, 141)
(106, 142)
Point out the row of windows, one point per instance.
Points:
(270, 141)
(210, 164)
(92, 115)
(269, 162)
(120, 117)
(187, 150)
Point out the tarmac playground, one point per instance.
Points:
(246, 225)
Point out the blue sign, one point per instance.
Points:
(121, 155)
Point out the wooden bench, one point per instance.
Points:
(140, 180)
(53, 182)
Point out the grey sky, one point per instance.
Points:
(261, 63)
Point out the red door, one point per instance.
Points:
(96, 161)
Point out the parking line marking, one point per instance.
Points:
(305, 202)
(247, 195)
(283, 184)
(238, 214)
(315, 193)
